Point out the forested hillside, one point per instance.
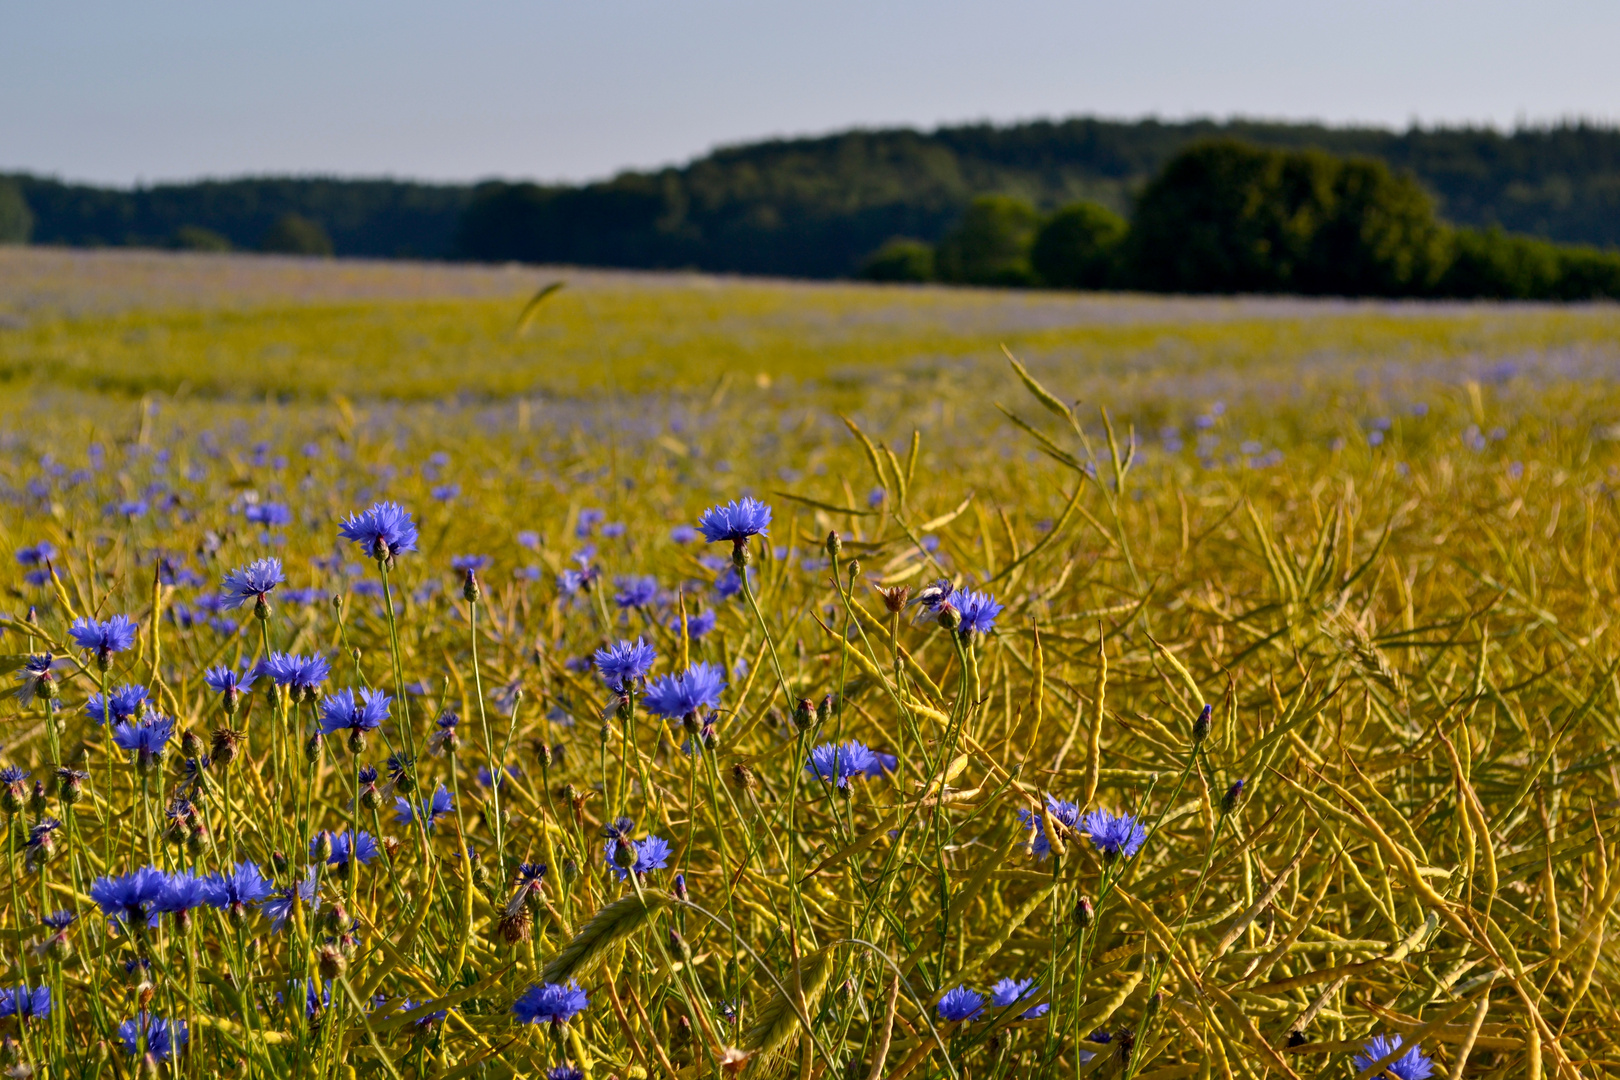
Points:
(818, 207)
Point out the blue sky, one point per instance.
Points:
(175, 89)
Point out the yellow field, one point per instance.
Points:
(1376, 538)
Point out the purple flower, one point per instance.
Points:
(103, 638)
(837, 762)
(35, 673)
(960, 1004)
(434, 807)
(128, 898)
(623, 664)
(469, 563)
(978, 611)
(736, 521)
(683, 534)
(676, 696)
(163, 1038)
(1009, 992)
(252, 583)
(528, 538)
(1412, 1065)
(383, 531)
(342, 711)
(1114, 834)
(728, 583)
(588, 520)
(234, 890)
(697, 626)
(564, 1071)
(224, 680)
(122, 703)
(550, 1003)
(635, 592)
(182, 892)
(296, 672)
(271, 515)
(652, 853)
(145, 739)
(306, 890)
(365, 848)
(882, 763)
(1065, 814)
(25, 1004)
(38, 555)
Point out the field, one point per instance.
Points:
(1369, 543)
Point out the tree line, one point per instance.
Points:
(820, 207)
(1229, 217)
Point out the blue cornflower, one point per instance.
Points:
(103, 637)
(564, 1071)
(1009, 992)
(652, 853)
(234, 890)
(473, 563)
(446, 492)
(635, 592)
(313, 1002)
(434, 807)
(960, 1004)
(128, 898)
(550, 1003)
(365, 848)
(882, 763)
(528, 538)
(182, 892)
(25, 1004)
(251, 583)
(383, 531)
(1412, 1065)
(839, 761)
(697, 626)
(307, 890)
(13, 775)
(228, 682)
(1065, 815)
(34, 680)
(122, 703)
(489, 779)
(343, 711)
(683, 534)
(728, 583)
(978, 611)
(271, 515)
(1114, 834)
(623, 664)
(426, 1019)
(589, 519)
(164, 1038)
(676, 696)
(297, 673)
(37, 555)
(145, 739)
(736, 521)
(60, 920)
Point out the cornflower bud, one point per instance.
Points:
(469, 587)
(1233, 796)
(321, 850)
(1084, 915)
(1201, 725)
(312, 748)
(824, 711)
(37, 801)
(949, 617)
(197, 840)
(894, 600)
(543, 752)
(331, 961)
(835, 544)
(190, 745)
(742, 777)
(804, 714)
(226, 740)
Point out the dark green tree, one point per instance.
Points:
(294, 234)
(1492, 264)
(991, 244)
(900, 259)
(1079, 246)
(1379, 236)
(16, 221)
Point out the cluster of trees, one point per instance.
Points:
(1028, 203)
(1227, 216)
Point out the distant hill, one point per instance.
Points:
(816, 207)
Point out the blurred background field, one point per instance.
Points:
(1357, 527)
